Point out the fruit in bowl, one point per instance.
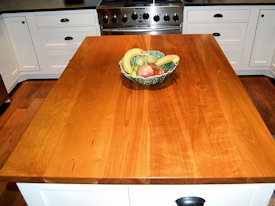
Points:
(147, 67)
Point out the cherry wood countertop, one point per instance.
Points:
(96, 126)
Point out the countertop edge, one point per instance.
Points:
(141, 180)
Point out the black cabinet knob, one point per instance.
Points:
(67, 38)
(218, 16)
(64, 20)
(190, 201)
(216, 34)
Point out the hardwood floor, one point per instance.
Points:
(262, 92)
(26, 99)
(29, 96)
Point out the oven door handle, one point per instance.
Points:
(140, 30)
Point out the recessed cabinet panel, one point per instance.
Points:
(218, 15)
(64, 38)
(22, 43)
(225, 33)
(64, 20)
(57, 60)
(9, 68)
(214, 195)
(264, 45)
(233, 54)
(74, 194)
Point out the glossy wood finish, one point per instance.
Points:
(95, 126)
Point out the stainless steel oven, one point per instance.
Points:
(124, 17)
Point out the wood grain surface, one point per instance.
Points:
(95, 126)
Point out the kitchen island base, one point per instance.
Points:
(49, 194)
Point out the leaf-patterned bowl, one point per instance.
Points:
(156, 79)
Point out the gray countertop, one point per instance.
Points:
(8, 6)
(227, 2)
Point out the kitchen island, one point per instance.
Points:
(97, 128)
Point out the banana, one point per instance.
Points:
(168, 58)
(127, 58)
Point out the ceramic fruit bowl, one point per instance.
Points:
(156, 79)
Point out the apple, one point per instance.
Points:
(158, 70)
(145, 71)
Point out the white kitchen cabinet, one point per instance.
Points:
(214, 194)
(21, 41)
(263, 51)
(59, 34)
(74, 194)
(228, 26)
(45, 194)
(64, 38)
(8, 65)
(45, 41)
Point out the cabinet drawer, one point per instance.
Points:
(215, 195)
(233, 54)
(225, 33)
(64, 20)
(57, 60)
(218, 16)
(74, 194)
(65, 38)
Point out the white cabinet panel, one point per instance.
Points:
(225, 33)
(74, 194)
(264, 45)
(22, 43)
(57, 60)
(64, 38)
(218, 15)
(214, 195)
(9, 68)
(65, 19)
(233, 54)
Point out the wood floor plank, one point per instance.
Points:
(262, 92)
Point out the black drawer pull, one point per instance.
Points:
(218, 16)
(68, 38)
(190, 201)
(64, 20)
(216, 34)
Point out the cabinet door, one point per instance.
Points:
(264, 45)
(8, 65)
(74, 194)
(214, 195)
(22, 43)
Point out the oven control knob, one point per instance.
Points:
(145, 16)
(134, 16)
(175, 17)
(105, 19)
(156, 18)
(124, 19)
(166, 17)
(114, 19)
